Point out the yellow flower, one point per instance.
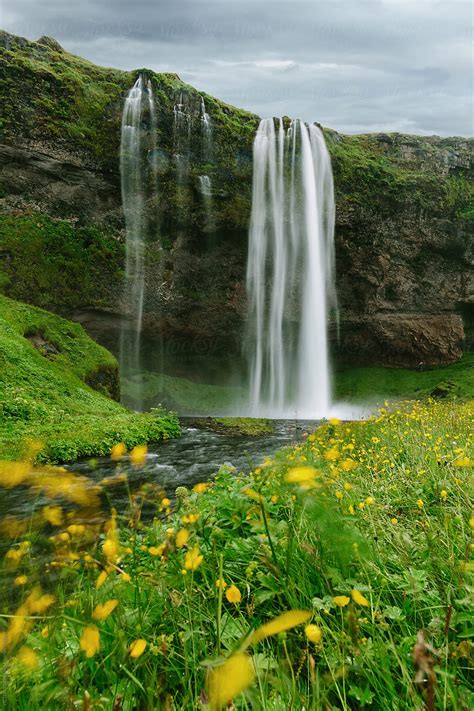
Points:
(38, 607)
(252, 494)
(375, 440)
(102, 611)
(313, 633)
(157, 550)
(193, 559)
(233, 594)
(188, 518)
(334, 421)
(370, 500)
(225, 682)
(137, 648)
(394, 520)
(420, 503)
(21, 580)
(90, 641)
(138, 454)
(101, 579)
(332, 454)
(301, 475)
(200, 488)
(28, 657)
(359, 599)
(45, 632)
(443, 494)
(471, 522)
(53, 515)
(341, 600)
(339, 494)
(283, 622)
(221, 583)
(348, 465)
(125, 577)
(13, 473)
(165, 502)
(118, 450)
(110, 549)
(182, 537)
(464, 462)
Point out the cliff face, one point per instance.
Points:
(403, 244)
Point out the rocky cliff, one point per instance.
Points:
(403, 236)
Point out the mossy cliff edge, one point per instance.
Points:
(404, 247)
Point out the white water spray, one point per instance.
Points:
(290, 272)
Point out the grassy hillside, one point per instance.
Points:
(55, 387)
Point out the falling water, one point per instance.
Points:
(290, 271)
(206, 133)
(182, 126)
(138, 178)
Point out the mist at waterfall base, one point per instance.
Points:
(290, 269)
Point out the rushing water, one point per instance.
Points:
(138, 179)
(290, 271)
(194, 457)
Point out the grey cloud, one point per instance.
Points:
(355, 66)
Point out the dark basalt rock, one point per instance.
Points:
(404, 244)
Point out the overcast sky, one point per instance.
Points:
(356, 66)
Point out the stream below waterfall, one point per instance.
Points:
(193, 457)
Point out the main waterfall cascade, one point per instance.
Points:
(290, 272)
(138, 172)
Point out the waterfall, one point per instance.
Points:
(138, 180)
(206, 133)
(182, 125)
(205, 186)
(290, 271)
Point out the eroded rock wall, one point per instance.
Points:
(403, 236)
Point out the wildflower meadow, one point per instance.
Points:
(335, 575)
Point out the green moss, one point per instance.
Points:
(371, 384)
(44, 395)
(44, 260)
(376, 178)
(181, 394)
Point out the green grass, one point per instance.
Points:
(182, 394)
(46, 397)
(380, 507)
(46, 261)
(376, 384)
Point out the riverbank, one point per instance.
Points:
(360, 536)
(59, 391)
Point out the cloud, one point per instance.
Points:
(358, 65)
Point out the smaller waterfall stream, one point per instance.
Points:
(290, 271)
(138, 180)
(206, 133)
